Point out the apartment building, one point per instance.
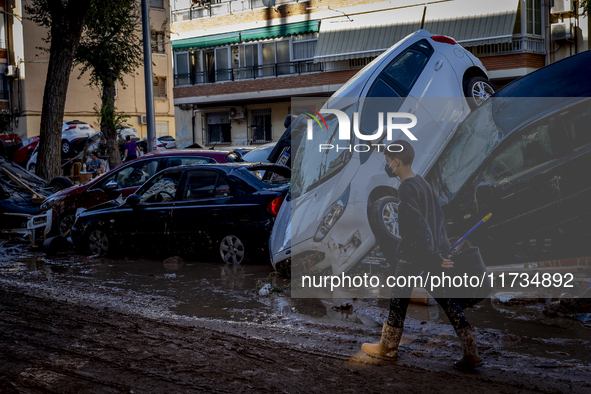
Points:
(24, 72)
(238, 63)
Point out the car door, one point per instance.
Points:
(202, 210)
(128, 179)
(148, 224)
(519, 184)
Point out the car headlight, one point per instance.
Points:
(47, 204)
(332, 215)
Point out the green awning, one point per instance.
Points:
(280, 30)
(206, 41)
(473, 25)
(246, 35)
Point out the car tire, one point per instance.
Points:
(477, 90)
(232, 249)
(66, 147)
(383, 220)
(59, 183)
(98, 242)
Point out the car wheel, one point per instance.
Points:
(59, 183)
(31, 168)
(477, 90)
(66, 147)
(383, 219)
(232, 250)
(98, 243)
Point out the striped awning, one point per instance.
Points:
(473, 23)
(246, 35)
(367, 35)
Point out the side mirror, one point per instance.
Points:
(287, 121)
(485, 189)
(132, 200)
(110, 186)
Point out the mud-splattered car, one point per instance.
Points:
(523, 156)
(229, 208)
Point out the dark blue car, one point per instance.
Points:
(191, 210)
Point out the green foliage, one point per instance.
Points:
(586, 5)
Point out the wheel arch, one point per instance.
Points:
(472, 72)
(377, 193)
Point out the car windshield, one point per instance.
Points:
(313, 165)
(474, 140)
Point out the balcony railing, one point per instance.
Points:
(244, 73)
(222, 8)
(518, 45)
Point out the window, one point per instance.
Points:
(261, 125)
(156, 3)
(2, 32)
(269, 59)
(203, 184)
(160, 87)
(188, 161)
(182, 69)
(162, 188)
(218, 128)
(407, 68)
(532, 148)
(3, 87)
(576, 121)
(157, 40)
(223, 72)
(529, 14)
(133, 175)
(304, 50)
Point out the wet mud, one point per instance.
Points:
(72, 324)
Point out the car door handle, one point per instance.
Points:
(438, 64)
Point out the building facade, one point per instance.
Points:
(238, 63)
(25, 69)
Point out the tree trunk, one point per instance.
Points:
(66, 31)
(109, 119)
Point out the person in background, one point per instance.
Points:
(95, 164)
(131, 150)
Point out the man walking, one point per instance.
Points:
(423, 247)
(131, 150)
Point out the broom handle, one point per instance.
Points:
(480, 223)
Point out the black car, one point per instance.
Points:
(524, 156)
(190, 210)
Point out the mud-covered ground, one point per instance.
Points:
(70, 324)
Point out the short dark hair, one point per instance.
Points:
(93, 154)
(402, 150)
(128, 138)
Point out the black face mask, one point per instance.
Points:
(389, 171)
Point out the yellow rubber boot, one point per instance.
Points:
(471, 358)
(387, 349)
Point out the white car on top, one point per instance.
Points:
(341, 198)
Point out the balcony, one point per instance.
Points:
(223, 8)
(244, 73)
(517, 45)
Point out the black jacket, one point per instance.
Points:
(422, 226)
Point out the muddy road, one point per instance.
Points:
(70, 324)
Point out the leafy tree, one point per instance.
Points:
(111, 48)
(65, 21)
(586, 5)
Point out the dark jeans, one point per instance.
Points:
(401, 298)
(129, 158)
